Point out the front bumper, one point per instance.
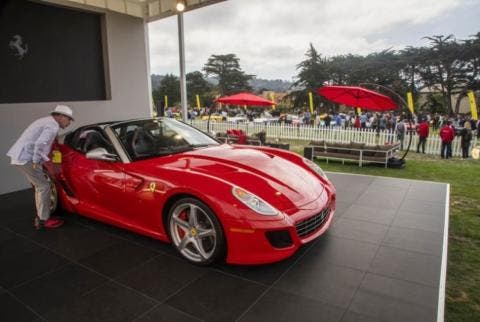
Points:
(262, 242)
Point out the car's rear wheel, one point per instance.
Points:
(53, 201)
(195, 231)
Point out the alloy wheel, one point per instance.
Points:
(194, 231)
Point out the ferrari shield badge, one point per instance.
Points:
(56, 156)
(152, 186)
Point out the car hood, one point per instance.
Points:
(280, 182)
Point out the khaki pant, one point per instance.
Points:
(42, 188)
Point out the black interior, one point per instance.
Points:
(95, 140)
(142, 143)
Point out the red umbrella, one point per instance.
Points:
(245, 99)
(355, 96)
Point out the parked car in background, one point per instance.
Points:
(266, 118)
(215, 117)
(295, 120)
(239, 118)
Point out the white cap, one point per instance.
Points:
(64, 110)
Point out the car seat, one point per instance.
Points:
(142, 144)
(95, 140)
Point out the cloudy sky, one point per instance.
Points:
(271, 36)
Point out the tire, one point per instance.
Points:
(54, 206)
(195, 231)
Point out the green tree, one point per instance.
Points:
(170, 87)
(471, 50)
(409, 59)
(198, 85)
(313, 72)
(346, 69)
(443, 68)
(471, 55)
(384, 68)
(226, 69)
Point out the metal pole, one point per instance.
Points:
(404, 103)
(183, 80)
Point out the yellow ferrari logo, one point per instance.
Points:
(152, 186)
(56, 156)
(193, 232)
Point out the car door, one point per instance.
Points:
(143, 192)
(99, 185)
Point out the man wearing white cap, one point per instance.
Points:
(31, 150)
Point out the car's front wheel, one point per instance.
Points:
(195, 231)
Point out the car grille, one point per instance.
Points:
(310, 225)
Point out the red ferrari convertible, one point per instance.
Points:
(165, 179)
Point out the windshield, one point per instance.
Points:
(156, 137)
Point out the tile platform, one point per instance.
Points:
(380, 261)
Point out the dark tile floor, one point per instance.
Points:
(380, 261)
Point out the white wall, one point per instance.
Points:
(127, 46)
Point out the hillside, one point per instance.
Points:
(258, 84)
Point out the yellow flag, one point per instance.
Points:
(198, 100)
(166, 100)
(473, 105)
(310, 100)
(272, 98)
(359, 110)
(410, 101)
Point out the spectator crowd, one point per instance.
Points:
(447, 126)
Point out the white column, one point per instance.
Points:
(183, 81)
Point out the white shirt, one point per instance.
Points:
(35, 142)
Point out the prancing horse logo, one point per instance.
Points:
(17, 45)
(152, 186)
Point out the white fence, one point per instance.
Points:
(331, 134)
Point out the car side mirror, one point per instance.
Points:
(101, 154)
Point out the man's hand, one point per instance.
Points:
(36, 166)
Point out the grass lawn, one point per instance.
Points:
(463, 270)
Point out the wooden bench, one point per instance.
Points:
(356, 152)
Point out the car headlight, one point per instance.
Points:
(254, 202)
(312, 165)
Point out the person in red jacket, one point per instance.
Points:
(422, 131)
(447, 134)
(357, 123)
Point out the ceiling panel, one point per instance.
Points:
(149, 10)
